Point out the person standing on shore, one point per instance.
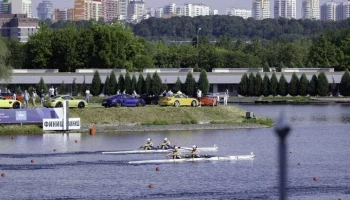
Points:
(199, 96)
(14, 97)
(217, 99)
(26, 98)
(87, 95)
(42, 95)
(34, 97)
(225, 97)
(52, 91)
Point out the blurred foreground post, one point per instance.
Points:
(282, 129)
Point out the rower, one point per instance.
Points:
(165, 144)
(175, 153)
(148, 145)
(195, 152)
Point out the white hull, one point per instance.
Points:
(215, 158)
(205, 149)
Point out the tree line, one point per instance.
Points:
(256, 85)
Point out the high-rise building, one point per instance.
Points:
(64, 15)
(213, 12)
(261, 9)
(70, 14)
(136, 9)
(343, 10)
(18, 26)
(45, 10)
(21, 7)
(310, 9)
(123, 9)
(5, 7)
(329, 11)
(285, 9)
(111, 9)
(88, 9)
(79, 10)
(159, 12)
(239, 12)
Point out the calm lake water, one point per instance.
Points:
(319, 141)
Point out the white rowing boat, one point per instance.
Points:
(205, 158)
(205, 149)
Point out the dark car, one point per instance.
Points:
(123, 100)
(150, 99)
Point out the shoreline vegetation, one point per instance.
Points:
(153, 118)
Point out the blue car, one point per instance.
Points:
(123, 100)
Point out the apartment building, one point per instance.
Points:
(45, 10)
(310, 9)
(261, 9)
(18, 26)
(239, 12)
(22, 7)
(285, 9)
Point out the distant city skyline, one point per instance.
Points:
(213, 4)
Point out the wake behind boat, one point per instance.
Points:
(204, 158)
(204, 149)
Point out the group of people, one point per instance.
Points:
(166, 145)
(226, 95)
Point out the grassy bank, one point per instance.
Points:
(20, 130)
(296, 99)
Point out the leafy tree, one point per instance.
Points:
(113, 85)
(303, 86)
(140, 88)
(96, 84)
(265, 86)
(5, 70)
(63, 88)
(178, 85)
(203, 83)
(190, 84)
(251, 84)
(258, 84)
(157, 84)
(243, 85)
(149, 84)
(19, 90)
(294, 85)
(274, 85)
(283, 86)
(107, 89)
(128, 84)
(313, 86)
(133, 83)
(16, 57)
(41, 86)
(322, 86)
(345, 84)
(121, 83)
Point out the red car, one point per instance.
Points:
(208, 100)
(10, 96)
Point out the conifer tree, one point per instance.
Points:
(121, 83)
(149, 84)
(178, 85)
(190, 84)
(345, 84)
(313, 86)
(140, 85)
(266, 67)
(203, 83)
(323, 85)
(273, 84)
(251, 84)
(75, 89)
(283, 86)
(133, 83)
(294, 85)
(265, 86)
(258, 84)
(63, 89)
(96, 84)
(113, 86)
(303, 85)
(243, 85)
(107, 89)
(41, 85)
(157, 84)
(128, 89)
(83, 87)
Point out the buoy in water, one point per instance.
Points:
(92, 129)
(290, 152)
(76, 141)
(315, 178)
(32, 161)
(340, 199)
(299, 163)
(150, 186)
(12, 138)
(158, 169)
(3, 174)
(54, 149)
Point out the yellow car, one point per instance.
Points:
(178, 100)
(9, 103)
(56, 102)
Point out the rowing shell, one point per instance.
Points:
(214, 148)
(214, 158)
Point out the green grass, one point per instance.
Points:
(20, 130)
(266, 122)
(297, 99)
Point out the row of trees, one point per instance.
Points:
(257, 86)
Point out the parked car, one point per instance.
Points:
(178, 100)
(57, 101)
(9, 103)
(208, 100)
(150, 99)
(10, 96)
(123, 100)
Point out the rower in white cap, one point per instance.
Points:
(195, 152)
(165, 144)
(148, 145)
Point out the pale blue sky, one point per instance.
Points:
(221, 5)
